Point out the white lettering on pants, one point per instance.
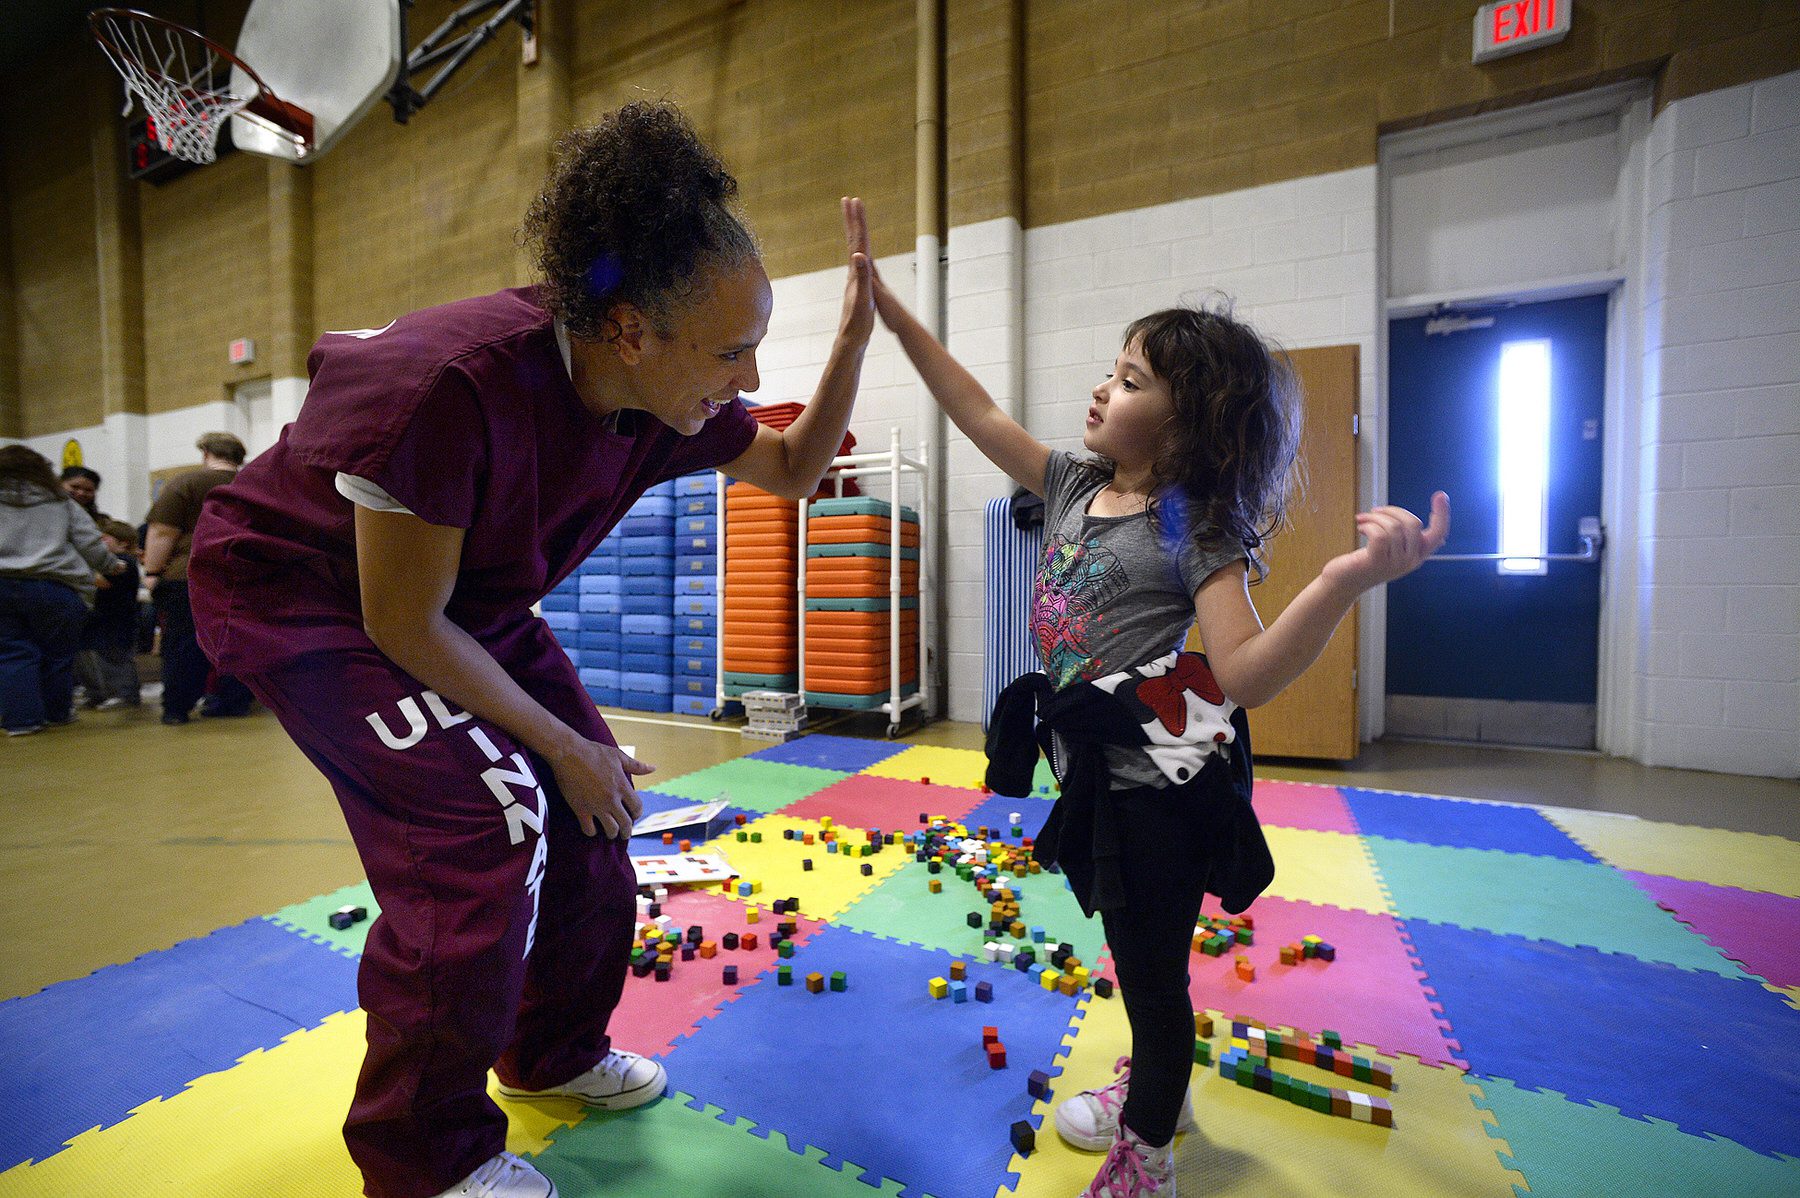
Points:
(497, 778)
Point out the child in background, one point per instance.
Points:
(1192, 437)
(107, 664)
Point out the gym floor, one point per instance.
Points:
(145, 835)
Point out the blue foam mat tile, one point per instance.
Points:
(83, 1053)
(764, 1057)
(994, 809)
(1459, 823)
(847, 753)
(1699, 1050)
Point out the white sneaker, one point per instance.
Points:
(1133, 1169)
(1090, 1120)
(505, 1176)
(623, 1080)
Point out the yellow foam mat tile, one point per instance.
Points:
(965, 768)
(1325, 867)
(1746, 860)
(1255, 1144)
(272, 1126)
(1789, 994)
(834, 882)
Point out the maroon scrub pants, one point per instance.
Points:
(504, 932)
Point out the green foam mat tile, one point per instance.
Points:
(750, 782)
(669, 1148)
(1541, 898)
(1620, 1157)
(311, 918)
(903, 908)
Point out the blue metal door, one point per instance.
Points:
(1502, 409)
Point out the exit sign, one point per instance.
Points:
(1509, 26)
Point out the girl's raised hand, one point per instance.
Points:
(858, 319)
(1396, 544)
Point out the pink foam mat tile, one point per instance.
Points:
(1373, 993)
(1758, 930)
(1303, 805)
(652, 1015)
(891, 804)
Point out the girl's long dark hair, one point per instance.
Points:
(1228, 463)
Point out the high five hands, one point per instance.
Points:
(1395, 546)
(858, 318)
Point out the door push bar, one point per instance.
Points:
(1592, 541)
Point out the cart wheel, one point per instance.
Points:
(893, 731)
(717, 714)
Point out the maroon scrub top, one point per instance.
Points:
(465, 414)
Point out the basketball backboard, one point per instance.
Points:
(334, 58)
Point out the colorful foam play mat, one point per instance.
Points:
(1437, 997)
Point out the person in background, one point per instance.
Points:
(107, 663)
(49, 554)
(83, 486)
(171, 531)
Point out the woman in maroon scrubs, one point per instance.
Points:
(371, 579)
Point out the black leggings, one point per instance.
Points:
(1164, 858)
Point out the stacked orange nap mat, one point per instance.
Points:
(759, 610)
(849, 602)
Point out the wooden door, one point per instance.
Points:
(1317, 715)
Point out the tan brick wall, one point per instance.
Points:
(805, 101)
(1127, 103)
(206, 280)
(1131, 103)
(50, 191)
(406, 216)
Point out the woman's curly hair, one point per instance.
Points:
(1228, 463)
(636, 210)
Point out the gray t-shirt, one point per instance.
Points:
(1112, 591)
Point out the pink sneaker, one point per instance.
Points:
(1090, 1120)
(1133, 1169)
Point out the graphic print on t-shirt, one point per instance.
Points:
(1077, 581)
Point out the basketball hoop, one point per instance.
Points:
(171, 70)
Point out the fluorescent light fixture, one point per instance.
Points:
(1524, 455)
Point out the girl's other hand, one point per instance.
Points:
(1396, 544)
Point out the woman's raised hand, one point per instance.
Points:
(859, 293)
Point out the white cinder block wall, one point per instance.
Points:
(1720, 580)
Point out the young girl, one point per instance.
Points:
(1192, 437)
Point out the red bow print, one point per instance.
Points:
(1164, 695)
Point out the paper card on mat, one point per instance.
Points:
(681, 867)
(678, 817)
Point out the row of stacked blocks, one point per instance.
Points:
(1253, 1046)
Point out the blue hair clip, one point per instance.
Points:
(605, 274)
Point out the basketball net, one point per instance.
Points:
(171, 71)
